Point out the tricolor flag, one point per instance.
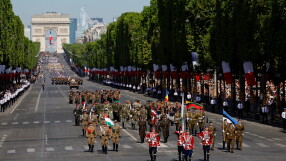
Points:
(226, 72)
(108, 121)
(249, 73)
(195, 105)
(167, 96)
(228, 118)
(154, 115)
(51, 38)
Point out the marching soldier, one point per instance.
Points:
(206, 138)
(177, 120)
(76, 113)
(115, 135)
(91, 135)
(116, 107)
(165, 125)
(71, 97)
(84, 122)
(153, 139)
(142, 129)
(212, 130)
(188, 144)
(143, 113)
(135, 117)
(194, 123)
(224, 127)
(230, 135)
(188, 119)
(239, 132)
(124, 115)
(201, 117)
(105, 136)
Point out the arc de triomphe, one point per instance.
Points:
(51, 29)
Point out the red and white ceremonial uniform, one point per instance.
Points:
(187, 141)
(153, 139)
(179, 133)
(206, 137)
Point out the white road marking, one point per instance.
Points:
(49, 149)
(245, 145)
(278, 139)
(4, 123)
(11, 151)
(262, 145)
(57, 121)
(69, 148)
(38, 100)
(281, 145)
(31, 150)
(86, 147)
(262, 137)
(68, 120)
(128, 134)
(5, 135)
(15, 118)
(46, 122)
(26, 93)
(25, 123)
(126, 146)
(14, 123)
(270, 139)
(163, 145)
(36, 122)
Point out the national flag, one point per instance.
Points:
(108, 121)
(167, 96)
(195, 105)
(154, 115)
(228, 118)
(249, 73)
(51, 38)
(227, 75)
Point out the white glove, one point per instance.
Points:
(223, 131)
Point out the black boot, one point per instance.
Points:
(180, 157)
(105, 150)
(223, 145)
(205, 156)
(117, 147)
(208, 157)
(154, 159)
(89, 147)
(123, 125)
(91, 150)
(113, 146)
(82, 132)
(195, 132)
(102, 148)
(151, 157)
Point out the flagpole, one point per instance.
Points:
(182, 114)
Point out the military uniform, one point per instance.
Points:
(77, 113)
(116, 107)
(124, 115)
(84, 122)
(105, 134)
(93, 119)
(165, 125)
(135, 117)
(71, 97)
(142, 129)
(224, 139)
(90, 134)
(115, 135)
(194, 123)
(153, 139)
(201, 120)
(177, 120)
(188, 120)
(230, 135)
(212, 130)
(239, 130)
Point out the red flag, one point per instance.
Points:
(227, 75)
(249, 73)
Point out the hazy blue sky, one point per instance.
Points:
(106, 9)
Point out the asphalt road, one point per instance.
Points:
(40, 127)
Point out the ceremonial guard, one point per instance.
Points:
(206, 139)
(188, 144)
(224, 127)
(153, 139)
(77, 112)
(239, 132)
(165, 125)
(84, 122)
(90, 134)
(105, 134)
(230, 135)
(180, 144)
(115, 135)
(212, 130)
(142, 129)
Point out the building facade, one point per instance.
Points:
(27, 31)
(51, 29)
(73, 28)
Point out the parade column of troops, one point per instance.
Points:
(92, 107)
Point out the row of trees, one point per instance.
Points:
(15, 49)
(168, 31)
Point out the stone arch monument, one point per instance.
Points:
(51, 30)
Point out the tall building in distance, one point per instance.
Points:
(73, 28)
(100, 20)
(27, 31)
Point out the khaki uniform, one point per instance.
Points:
(93, 119)
(105, 134)
(124, 114)
(194, 123)
(116, 136)
(84, 123)
(212, 130)
(143, 113)
(90, 134)
(165, 125)
(188, 119)
(142, 129)
(177, 120)
(135, 117)
(230, 135)
(239, 130)
(224, 139)
(201, 120)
